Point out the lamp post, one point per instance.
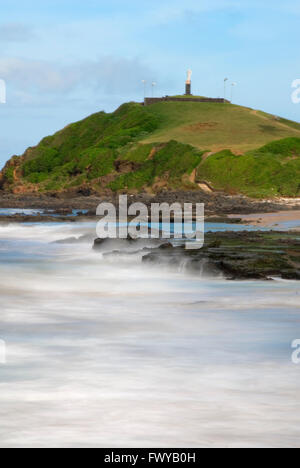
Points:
(153, 85)
(232, 86)
(225, 82)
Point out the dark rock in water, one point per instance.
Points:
(75, 240)
(99, 243)
(61, 211)
(165, 246)
(237, 255)
(121, 245)
(68, 240)
(223, 220)
(117, 254)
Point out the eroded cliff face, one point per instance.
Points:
(11, 179)
(8, 175)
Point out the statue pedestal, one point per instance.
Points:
(188, 89)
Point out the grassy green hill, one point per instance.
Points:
(218, 126)
(168, 145)
(271, 171)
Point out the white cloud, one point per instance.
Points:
(111, 74)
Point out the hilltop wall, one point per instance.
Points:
(149, 101)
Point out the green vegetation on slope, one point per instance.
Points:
(173, 160)
(159, 147)
(273, 170)
(85, 150)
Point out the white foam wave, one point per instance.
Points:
(104, 351)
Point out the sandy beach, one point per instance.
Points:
(272, 219)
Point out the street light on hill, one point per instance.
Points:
(153, 85)
(232, 86)
(225, 82)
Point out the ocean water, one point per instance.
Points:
(108, 352)
(20, 211)
(35, 212)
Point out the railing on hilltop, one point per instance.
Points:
(149, 101)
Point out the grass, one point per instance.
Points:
(170, 162)
(273, 170)
(147, 148)
(215, 126)
(89, 148)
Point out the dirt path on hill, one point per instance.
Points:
(281, 124)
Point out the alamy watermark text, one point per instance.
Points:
(2, 352)
(160, 221)
(296, 93)
(2, 91)
(296, 352)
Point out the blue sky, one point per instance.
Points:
(65, 59)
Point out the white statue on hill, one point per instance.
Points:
(189, 76)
